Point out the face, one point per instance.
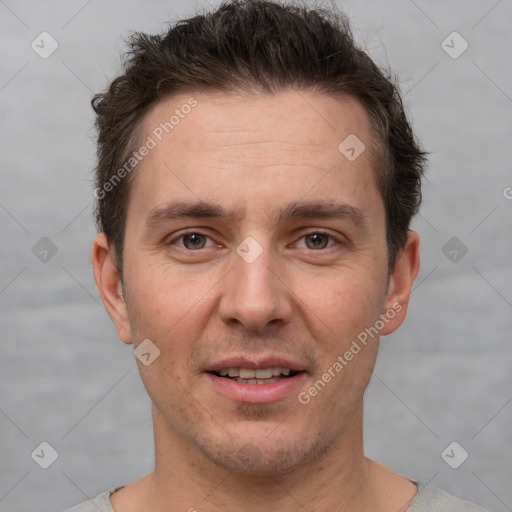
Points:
(255, 257)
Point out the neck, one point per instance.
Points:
(340, 479)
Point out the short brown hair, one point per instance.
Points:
(259, 46)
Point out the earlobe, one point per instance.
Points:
(400, 284)
(110, 286)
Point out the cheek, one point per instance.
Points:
(340, 312)
(168, 310)
(340, 304)
(164, 299)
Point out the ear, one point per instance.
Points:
(110, 286)
(400, 283)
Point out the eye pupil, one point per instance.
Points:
(318, 241)
(193, 241)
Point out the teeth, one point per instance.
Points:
(244, 373)
(261, 373)
(256, 381)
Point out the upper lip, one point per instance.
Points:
(256, 363)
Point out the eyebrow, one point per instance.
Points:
(298, 210)
(321, 210)
(183, 210)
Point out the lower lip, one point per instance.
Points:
(256, 393)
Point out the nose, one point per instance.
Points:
(255, 294)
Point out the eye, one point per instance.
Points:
(191, 241)
(318, 240)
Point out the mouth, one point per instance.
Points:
(244, 380)
(260, 376)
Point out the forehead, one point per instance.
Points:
(313, 121)
(254, 148)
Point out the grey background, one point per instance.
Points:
(66, 379)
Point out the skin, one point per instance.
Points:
(254, 155)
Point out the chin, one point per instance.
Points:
(265, 456)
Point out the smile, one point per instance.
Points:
(259, 376)
(264, 385)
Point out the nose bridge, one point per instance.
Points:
(253, 295)
(256, 280)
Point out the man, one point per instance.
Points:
(256, 181)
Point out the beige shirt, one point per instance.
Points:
(428, 499)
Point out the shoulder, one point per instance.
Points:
(432, 499)
(99, 504)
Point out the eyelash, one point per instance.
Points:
(188, 233)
